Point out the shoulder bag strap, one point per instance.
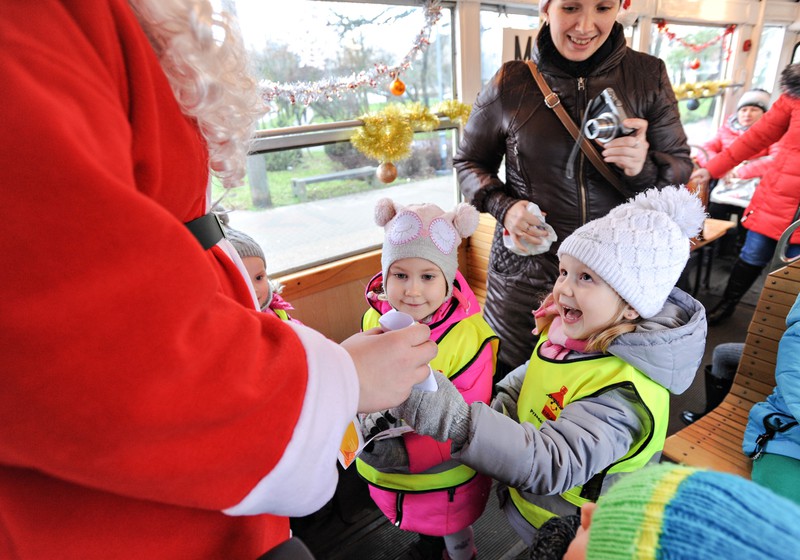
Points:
(553, 102)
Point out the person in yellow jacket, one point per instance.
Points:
(592, 402)
(267, 291)
(424, 490)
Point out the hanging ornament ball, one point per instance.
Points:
(694, 64)
(386, 172)
(692, 104)
(397, 87)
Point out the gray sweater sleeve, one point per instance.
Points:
(589, 435)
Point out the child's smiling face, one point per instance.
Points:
(586, 304)
(415, 286)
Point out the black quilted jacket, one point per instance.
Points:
(509, 119)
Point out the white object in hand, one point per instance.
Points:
(531, 249)
(394, 320)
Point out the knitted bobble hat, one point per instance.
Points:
(680, 513)
(641, 247)
(754, 98)
(424, 231)
(245, 245)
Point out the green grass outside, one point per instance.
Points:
(314, 162)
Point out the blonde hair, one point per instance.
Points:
(599, 342)
(203, 56)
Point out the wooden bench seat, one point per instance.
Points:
(715, 441)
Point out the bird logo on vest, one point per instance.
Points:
(554, 405)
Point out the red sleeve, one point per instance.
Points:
(765, 132)
(760, 165)
(130, 363)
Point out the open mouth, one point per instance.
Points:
(571, 314)
(581, 42)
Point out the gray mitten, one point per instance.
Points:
(386, 455)
(442, 414)
(375, 423)
(504, 400)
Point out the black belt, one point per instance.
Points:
(206, 229)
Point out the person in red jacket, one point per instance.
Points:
(750, 108)
(148, 409)
(776, 202)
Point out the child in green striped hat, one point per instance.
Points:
(680, 513)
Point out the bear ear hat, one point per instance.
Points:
(465, 219)
(385, 210)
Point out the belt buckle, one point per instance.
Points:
(551, 100)
(219, 224)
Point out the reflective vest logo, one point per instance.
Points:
(554, 404)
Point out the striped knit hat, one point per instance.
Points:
(676, 512)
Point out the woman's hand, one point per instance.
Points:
(629, 152)
(521, 225)
(701, 178)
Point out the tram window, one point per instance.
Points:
(700, 123)
(339, 188)
(304, 46)
(767, 59)
(308, 43)
(493, 22)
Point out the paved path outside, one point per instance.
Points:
(294, 236)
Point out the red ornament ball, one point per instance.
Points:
(397, 87)
(694, 64)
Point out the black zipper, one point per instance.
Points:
(398, 509)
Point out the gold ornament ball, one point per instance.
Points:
(386, 172)
(397, 87)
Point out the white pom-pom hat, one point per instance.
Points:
(641, 247)
(424, 231)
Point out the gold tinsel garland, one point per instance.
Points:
(386, 135)
(696, 90)
(454, 110)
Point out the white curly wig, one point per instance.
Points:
(203, 56)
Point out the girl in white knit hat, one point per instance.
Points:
(592, 403)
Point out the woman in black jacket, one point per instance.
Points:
(580, 51)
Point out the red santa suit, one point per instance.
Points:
(147, 409)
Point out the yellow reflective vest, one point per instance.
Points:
(459, 347)
(550, 386)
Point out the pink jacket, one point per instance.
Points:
(442, 512)
(727, 134)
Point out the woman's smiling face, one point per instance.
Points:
(580, 27)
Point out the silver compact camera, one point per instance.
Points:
(607, 114)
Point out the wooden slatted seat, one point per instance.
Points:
(715, 441)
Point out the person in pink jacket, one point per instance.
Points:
(266, 290)
(776, 202)
(751, 107)
(413, 479)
